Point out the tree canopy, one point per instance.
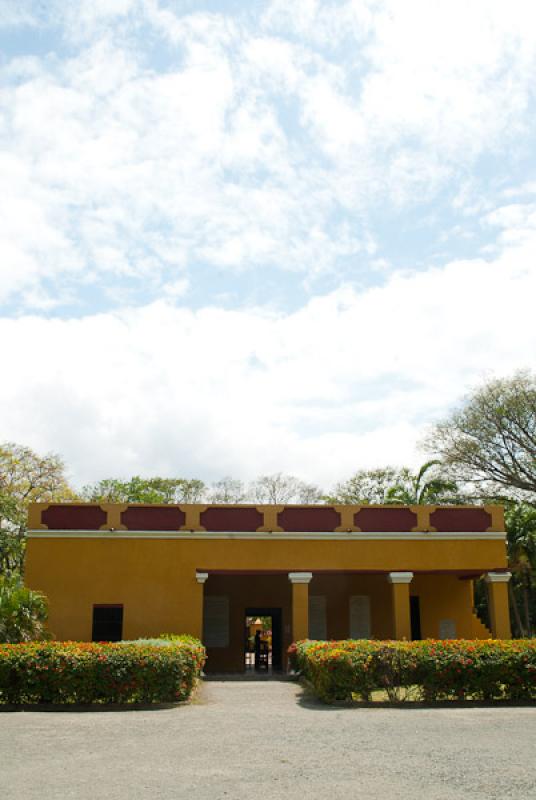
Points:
(228, 490)
(145, 490)
(521, 543)
(490, 439)
(280, 488)
(369, 485)
(276, 488)
(25, 477)
(391, 485)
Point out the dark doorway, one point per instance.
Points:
(415, 615)
(107, 623)
(274, 637)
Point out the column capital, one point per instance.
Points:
(201, 577)
(300, 577)
(498, 577)
(400, 577)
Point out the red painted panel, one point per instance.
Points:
(153, 518)
(231, 519)
(85, 518)
(303, 518)
(460, 519)
(385, 519)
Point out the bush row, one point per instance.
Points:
(80, 672)
(428, 670)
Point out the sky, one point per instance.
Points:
(244, 237)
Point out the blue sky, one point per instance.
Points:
(245, 237)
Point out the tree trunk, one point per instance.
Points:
(515, 609)
(528, 626)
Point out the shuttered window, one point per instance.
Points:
(317, 617)
(359, 616)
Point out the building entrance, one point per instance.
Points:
(263, 639)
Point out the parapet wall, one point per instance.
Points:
(264, 518)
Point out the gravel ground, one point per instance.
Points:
(241, 739)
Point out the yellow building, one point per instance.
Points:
(115, 571)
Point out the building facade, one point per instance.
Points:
(386, 572)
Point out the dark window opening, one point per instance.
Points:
(415, 612)
(107, 623)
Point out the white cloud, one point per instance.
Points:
(256, 142)
(348, 380)
(128, 171)
(143, 147)
(448, 80)
(14, 14)
(517, 225)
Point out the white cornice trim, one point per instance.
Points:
(400, 577)
(276, 536)
(300, 577)
(498, 577)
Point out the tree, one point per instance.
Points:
(279, 488)
(490, 440)
(371, 486)
(228, 490)
(423, 488)
(520, 521)
(145, 490)
(23, 612)
(390, 485)
(276, 488)
(25, 477)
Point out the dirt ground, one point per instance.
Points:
(268, 739)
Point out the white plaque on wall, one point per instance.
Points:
(447, 629)
(317, 617)
(360, 616)
(216, 621)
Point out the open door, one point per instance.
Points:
(263, 639)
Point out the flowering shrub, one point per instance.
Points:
(426, 670)
(80, 672)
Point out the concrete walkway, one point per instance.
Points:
(265, 739)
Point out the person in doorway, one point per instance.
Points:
(257, 648)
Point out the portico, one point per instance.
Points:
(331, 604)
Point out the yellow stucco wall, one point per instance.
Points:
(444, 597)
(155, 581)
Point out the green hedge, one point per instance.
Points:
(80, 672)
(429, 670)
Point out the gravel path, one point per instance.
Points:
(241, 740)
